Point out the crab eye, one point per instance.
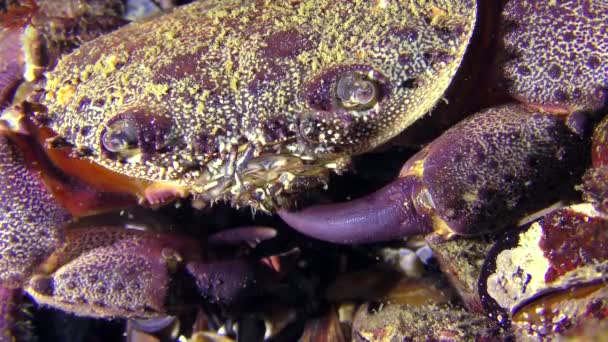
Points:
(356, 91)
(136, 135)
(121, 137)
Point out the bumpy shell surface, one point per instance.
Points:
(31, 223)
(237, 100)
(560, 52)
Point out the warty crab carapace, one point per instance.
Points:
(250, 102)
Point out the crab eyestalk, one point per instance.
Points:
(483, 174)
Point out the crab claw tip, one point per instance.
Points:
(387, 214)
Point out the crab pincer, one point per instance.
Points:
(109, 271)
(479, 176)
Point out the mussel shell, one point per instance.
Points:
(563, 250)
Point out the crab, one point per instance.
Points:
(256, 104)
(45, 252)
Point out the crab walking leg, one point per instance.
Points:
(484, 173)
(11, 65)
(31, 224)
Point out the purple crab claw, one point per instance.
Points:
(483, 174)
(386, 214)
(109, 272)
(116, 272)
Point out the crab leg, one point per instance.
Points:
(488, 171)
(110, 271)
(31, 223)
(101, 270)
(34, 34)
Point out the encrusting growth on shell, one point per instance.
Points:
(241, 80)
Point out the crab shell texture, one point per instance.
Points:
(561, 49)
(236, 100)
